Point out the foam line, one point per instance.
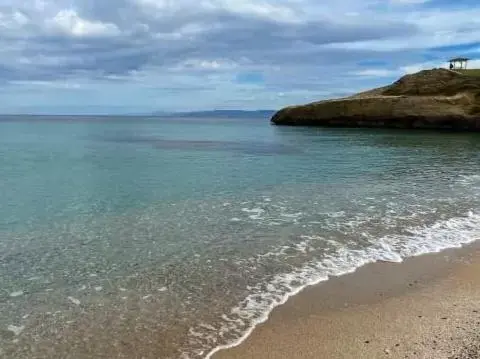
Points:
(442, 235)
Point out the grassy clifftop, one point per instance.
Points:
(470, 72)
(436, 98)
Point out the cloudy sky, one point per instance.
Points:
(130, 56)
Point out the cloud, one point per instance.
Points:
(178, 55)
(48, 84)
(408, 2)
(68, 22)
(376, 73)
(412, 68)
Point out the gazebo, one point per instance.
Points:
(458, 63)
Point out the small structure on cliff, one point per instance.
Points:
(458, 63)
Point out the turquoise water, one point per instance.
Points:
(171, 238)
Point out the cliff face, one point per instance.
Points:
(437, 99)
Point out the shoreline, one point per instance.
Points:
(327, 320)
(425, 246)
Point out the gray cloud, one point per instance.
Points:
(298, 46)
(87, 46)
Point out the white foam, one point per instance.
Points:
(468, 180)
(255, 213)
(17, 330)
(292, 215)
(303, 246)
(253, 210)
(256, 307)
(74, 300)
(17, 294)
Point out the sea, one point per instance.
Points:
(148, 237)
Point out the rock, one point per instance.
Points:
(430, 99)
(16, 330)
(17, 294)
(6, 334)
(74, 300)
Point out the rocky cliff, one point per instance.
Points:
(437, 99)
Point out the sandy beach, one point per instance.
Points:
(425, 307)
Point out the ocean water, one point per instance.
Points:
(173, 238)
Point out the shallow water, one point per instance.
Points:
(170, 238)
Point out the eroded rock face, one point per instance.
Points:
(431, 99)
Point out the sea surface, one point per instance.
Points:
(137, 237)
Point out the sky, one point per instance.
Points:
(138, 56)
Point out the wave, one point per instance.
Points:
(257, 306)
(467, 180)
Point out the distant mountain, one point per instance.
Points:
(219, 114)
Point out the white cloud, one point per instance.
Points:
(208, 65)
(69, 22)
(412, 68)
(13, 20)
(375, 73)
(158, 5)
(264, 9)
(50, 84)
(437, 27)
(408, 2)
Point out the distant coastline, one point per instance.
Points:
(218, 114)
(163, 114)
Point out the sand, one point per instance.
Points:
(425, 307)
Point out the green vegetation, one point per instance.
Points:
(436, 82)
(470, 72)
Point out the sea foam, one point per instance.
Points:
(257, 306)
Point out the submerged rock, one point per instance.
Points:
(430, 99)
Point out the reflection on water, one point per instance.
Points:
(248, 147)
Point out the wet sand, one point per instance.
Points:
(425, 307)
